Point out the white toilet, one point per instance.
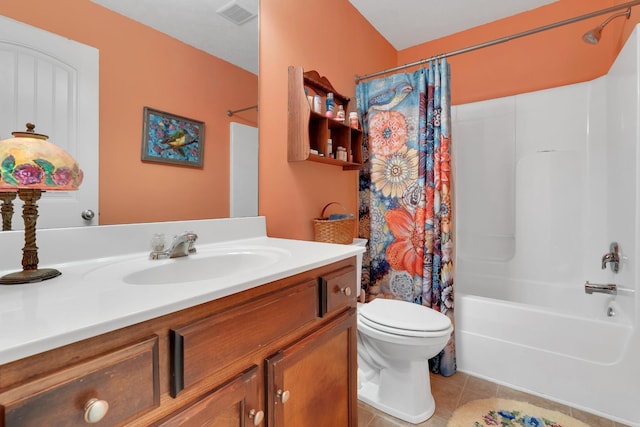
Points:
(395, 341)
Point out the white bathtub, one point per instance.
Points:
(560, 344)
(545, 182)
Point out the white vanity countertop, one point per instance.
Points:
(83, 302)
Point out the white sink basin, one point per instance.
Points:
(205, 265)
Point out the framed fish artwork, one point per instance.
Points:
(168, 138)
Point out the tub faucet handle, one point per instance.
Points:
(612, 258)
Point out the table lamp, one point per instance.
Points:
(30, 165)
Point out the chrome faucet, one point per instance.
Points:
(609, 288)
(182, 245)
(612, 258)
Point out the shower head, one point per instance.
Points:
(593, 36)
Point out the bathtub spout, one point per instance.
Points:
(609, 288)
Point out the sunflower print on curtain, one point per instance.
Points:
(405, 192)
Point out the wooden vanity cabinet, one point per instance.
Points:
(227, 362)
(310, 383)
(313, 381)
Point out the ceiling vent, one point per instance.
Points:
(236, 13)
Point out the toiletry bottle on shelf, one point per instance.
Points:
(330, 106)
(317, 104)
(340, 114)
(353, 120)
(329, 148)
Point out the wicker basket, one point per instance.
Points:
(334, 231)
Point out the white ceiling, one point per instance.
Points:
(196, 23)
(407, 23)
(403, 23)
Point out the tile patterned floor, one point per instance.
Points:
(461, 388)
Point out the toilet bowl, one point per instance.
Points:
(396, 339)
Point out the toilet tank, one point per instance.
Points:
(359, 242)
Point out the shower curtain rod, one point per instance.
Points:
(231, 113)
(501, 40)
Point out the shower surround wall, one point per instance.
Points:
(545, 181)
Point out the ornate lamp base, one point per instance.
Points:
(30, 272)
(29, 276)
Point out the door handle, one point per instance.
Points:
(87, 214)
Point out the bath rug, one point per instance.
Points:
(509, 413)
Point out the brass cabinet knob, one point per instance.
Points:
(283, 395)
(95, 410)
(346, 291)
(256, 416)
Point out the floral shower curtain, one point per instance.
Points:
(405, 192)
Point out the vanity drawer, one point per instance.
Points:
(206, 346)
(127, 379)
(337, 290)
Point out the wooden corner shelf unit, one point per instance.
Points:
(308, 130)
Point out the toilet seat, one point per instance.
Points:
(403, 318)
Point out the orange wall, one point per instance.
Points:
(142, 67)
(332, 38)
(292, 194)
(547, 59)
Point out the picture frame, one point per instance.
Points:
(169, 138)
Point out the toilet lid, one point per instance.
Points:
(391, 314)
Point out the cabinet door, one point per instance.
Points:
(235, 403)
(313, 381)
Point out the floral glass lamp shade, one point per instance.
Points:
(29, 165)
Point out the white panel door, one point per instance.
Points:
(53, 82)
(243, 197)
